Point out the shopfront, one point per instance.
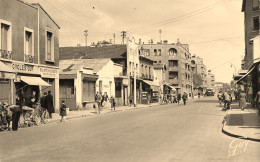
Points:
(7, 76)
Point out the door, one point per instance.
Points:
(5, 92)
(67, 93)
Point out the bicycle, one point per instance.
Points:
(44, 114)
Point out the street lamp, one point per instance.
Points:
(234, 67)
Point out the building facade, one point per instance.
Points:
(177, 60)
(29, 46)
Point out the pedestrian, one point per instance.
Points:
(16, 111)
(227, 99)
(161, 99)
(179, 99)
(113, 103)
(49, 104)
(99, 98)
(184, 98)
(130, 100)
(104, 100)
(63, 111)
(257, 101)
(199, 95)
(43, 101)
(148, 99)
(219, 98)
(242, 100)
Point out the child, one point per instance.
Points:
(63, 111)
(113, 103)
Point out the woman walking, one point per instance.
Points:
(242, 100)
(63, 111)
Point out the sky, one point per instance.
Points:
(214, 29)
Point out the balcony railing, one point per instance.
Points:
(29, 58)
(6, 54)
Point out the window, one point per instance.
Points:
(5, 39)
(172, 52)
(173, 75)
(147, 52)
(49, 46)
(159, 61)
(255, 5)
(117, 89)
(28, 45)
(255, 23)
(159, 52)
(173, 63)
(155, 52)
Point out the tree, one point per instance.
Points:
(197, 80)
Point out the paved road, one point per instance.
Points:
(156, 134)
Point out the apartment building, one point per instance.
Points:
(177, 60)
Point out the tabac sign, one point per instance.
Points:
(49, 72)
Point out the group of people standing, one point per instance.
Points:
(241, 97)
(172, 98)
(101, 101)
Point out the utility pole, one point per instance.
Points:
(86, 35)
(160, 35)
(123, 36)
(114, 35)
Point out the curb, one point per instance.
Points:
(229, 133)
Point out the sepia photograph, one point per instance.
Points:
(129, 80)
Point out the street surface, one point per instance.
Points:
(154, 134)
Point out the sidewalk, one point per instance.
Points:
(240, 123)
(92, 112)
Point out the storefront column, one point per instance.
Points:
(57, 93)
(13, 94)
(140, 92)
(78, 86)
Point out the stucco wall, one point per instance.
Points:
(24, 16)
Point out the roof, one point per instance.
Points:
(86, 52)
(73, 65)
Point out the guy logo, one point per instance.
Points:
(237, 146)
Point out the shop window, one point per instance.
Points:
(255, 5)
(49, 46)
(255, 23)
(118, 89)
(5, 40)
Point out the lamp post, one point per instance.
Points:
(234, 67)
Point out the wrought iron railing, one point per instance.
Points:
(29, 58)
(6, 54)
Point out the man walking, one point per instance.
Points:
(179, 98)
(43, 104)
(99, 98)
(184, 98)
(49, 103)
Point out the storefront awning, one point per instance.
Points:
(36, 81)
(151, 83)
(246, 74)
(5, 68)
(173, 88)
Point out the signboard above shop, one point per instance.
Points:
(49, 72)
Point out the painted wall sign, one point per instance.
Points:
(48, 72)
(23, 68)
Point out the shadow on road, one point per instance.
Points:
(207, 101)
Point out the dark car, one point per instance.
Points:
(209, 93)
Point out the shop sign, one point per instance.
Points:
(49, 72)
(125, 81)
(23, 68)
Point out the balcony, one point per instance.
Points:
(173, 57)
(6, 54)
(173, 68)
(29, 58)
(173, 81)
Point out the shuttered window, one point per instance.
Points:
(255, 5)
(4, 36)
